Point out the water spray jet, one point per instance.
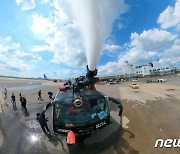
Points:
(94, 19)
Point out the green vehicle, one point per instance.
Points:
(83, 112)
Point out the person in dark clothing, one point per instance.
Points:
(20, 99)
(13, 99)
(39, 95)
(23, 103)
(43, 121)
(50, 95)
(120, 109)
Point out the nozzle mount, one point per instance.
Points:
(91, 74)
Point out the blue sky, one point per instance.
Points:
(46, 36)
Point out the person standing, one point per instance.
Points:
(39, 95)
(50, 95)
(120, 109)
(23, 103)
(13, 99)
(43, 121)
(5, 93)
(20, 99)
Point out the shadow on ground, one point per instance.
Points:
(113, 142)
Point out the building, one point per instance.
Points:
(128, 69)
(149, 69)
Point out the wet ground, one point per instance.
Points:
(20, 133)
(143, 122)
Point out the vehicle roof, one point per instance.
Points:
(133, 83)
(69, 94)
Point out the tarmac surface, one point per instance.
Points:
(150, 113)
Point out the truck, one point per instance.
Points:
(161, 80)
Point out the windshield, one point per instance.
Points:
(92, 110)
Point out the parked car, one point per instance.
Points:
(134, 80)
(134, 85)
(111, 81)
(123, 80)
(161, 80)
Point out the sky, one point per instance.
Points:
(60, 37)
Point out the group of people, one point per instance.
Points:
(40, 116)
(22, 99)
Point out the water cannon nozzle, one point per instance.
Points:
(91, 74)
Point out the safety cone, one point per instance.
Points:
(71, 138)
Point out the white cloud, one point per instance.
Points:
(120, 25)
(170, 17)
(140, 54)
(64, 38)
(26, 4)
(42, 26)
(44, 1)
(8, 38)
(112, 47)
(67, 46)
(27, 56)
(152, 39)
(61, 16)
(62, 31)
(171, 56)
(137, 56)
(174, 61)
(173, 51)
(177, 29)
(40, 48)
(13, 60)
(111, 68)
(144, 48)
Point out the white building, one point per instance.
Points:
(149, 69)
(128, 69)
(143, 69)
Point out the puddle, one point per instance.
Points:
(1, 138)
(25, 87)
(1, 98)
(168, 95)
(33, 138)
(31, 123)
(170, 89)
(125, 122)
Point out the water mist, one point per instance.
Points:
(94, 19)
